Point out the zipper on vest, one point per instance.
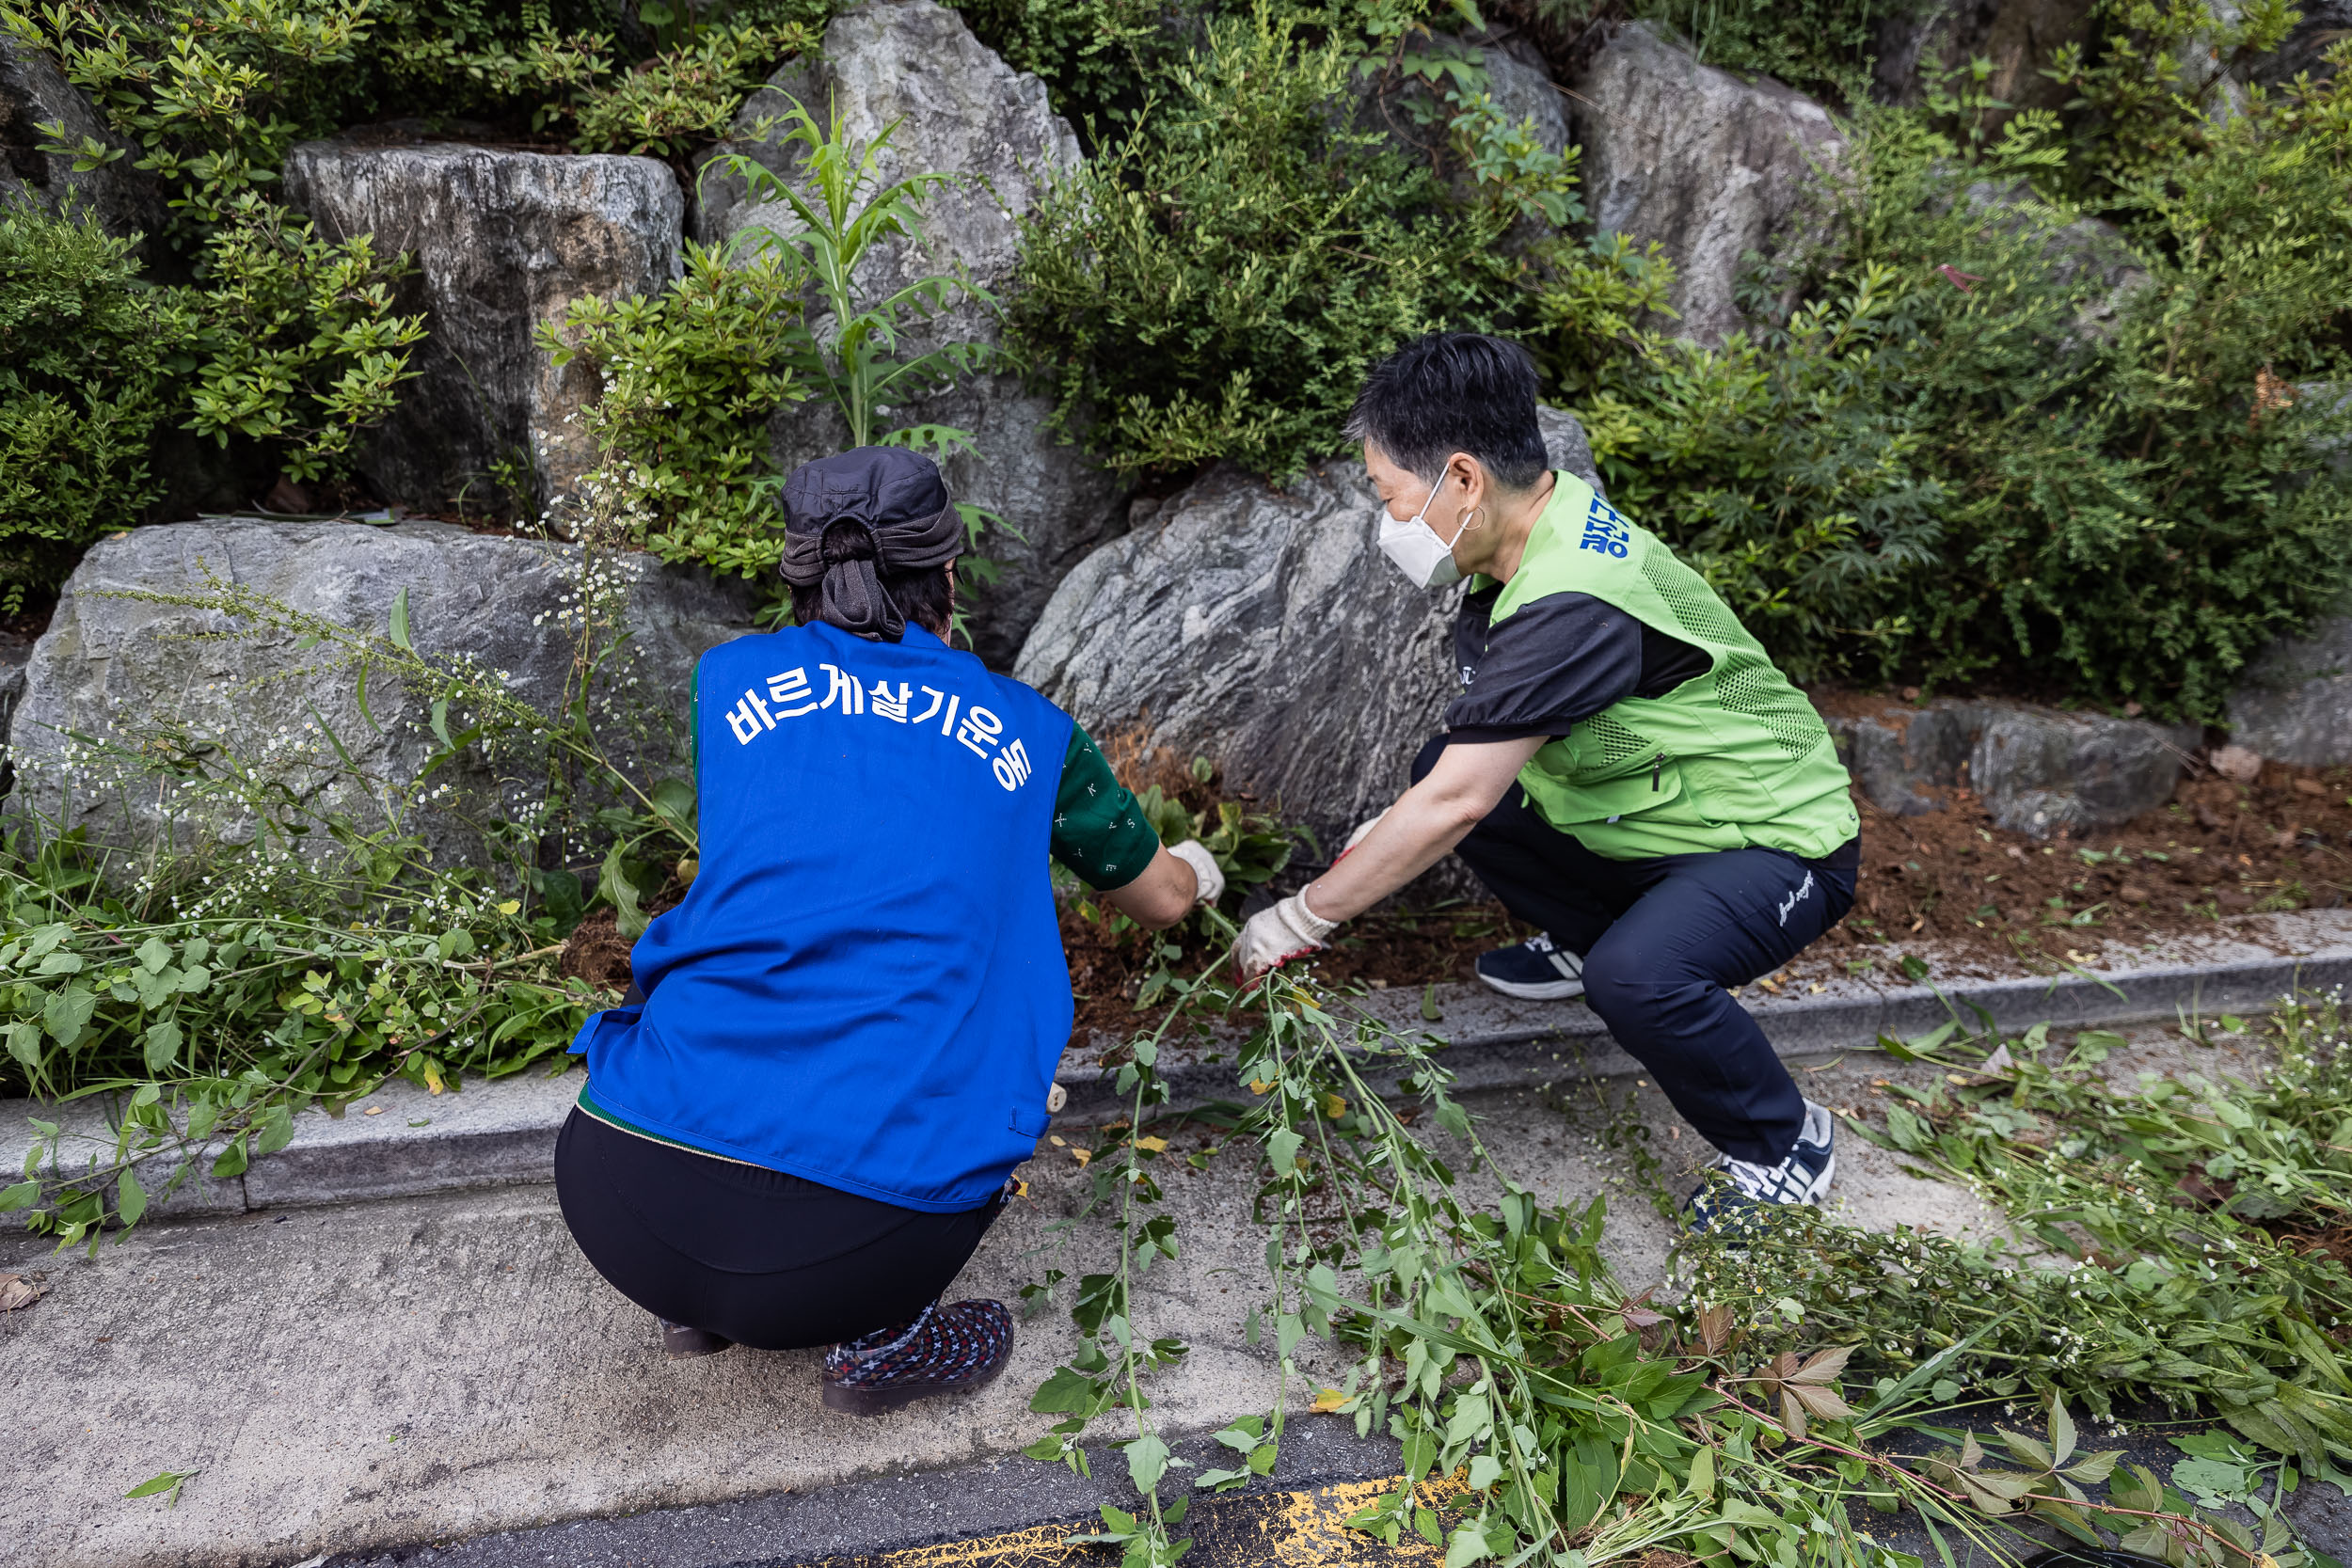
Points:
(1656, 772)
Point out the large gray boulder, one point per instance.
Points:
(2019, 36)
(2038, 770)
(503, 241)
(121, 669)
(126, 201)
(958, 109)
(2086, 253)
(1261, 629)
(2296, 703)
(1697, 160)
(2324, 22)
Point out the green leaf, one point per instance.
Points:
(1147, 1461)
(1282, 1151)
(1066, 1391)
(1468, 1545)
(67, 1014)
(154, 954)
(170, 1481)
(21, 1195)
(24, 1045)
(231, 1161)
(161, 1045)
(400, 622)
(275, 1129)
(130, 1197)
(613, 886)
(1702, 1481)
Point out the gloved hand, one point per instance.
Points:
(1358, 837)
(1204, 870)
(1274, 935)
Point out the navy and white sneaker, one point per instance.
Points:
(1802, 1178)
(1534, 971)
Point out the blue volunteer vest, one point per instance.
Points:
(866, 983)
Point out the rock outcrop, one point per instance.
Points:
(2038, 770)
(2324, 22)
(2296, 705)
(2019, 36)
(503, 241)
(123, 668)
(33, 93)
(1261, 628)
(958, 109)
(1697, 160)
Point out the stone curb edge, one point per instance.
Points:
(403, 1143)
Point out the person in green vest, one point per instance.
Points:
(1624, 767)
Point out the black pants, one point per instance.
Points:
(765, 1259)
(1661, 940)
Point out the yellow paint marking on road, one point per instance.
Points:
(1306, 1528)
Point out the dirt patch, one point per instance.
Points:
(1996, 899)
(596, 953)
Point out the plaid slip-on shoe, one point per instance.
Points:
(1803, 1177)
(948, 1348)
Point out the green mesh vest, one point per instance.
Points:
(1733, 758)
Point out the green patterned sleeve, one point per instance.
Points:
(1099, 830)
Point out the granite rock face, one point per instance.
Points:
(33, 93)
(2323, 23)
(2019, 36)
(959, 109)
(503, 241)
(123, 670)
(1261, 629)
(1707, 164)
(2296, 705)
(2038, 770)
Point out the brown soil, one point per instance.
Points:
(1953, 880)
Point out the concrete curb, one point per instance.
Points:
(401, 1141)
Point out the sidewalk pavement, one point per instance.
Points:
(358, 1378)
(400, 1142)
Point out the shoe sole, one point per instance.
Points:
(693, 1343)
(1539, 991)
(880, 1402)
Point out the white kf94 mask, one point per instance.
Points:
(1415, 549)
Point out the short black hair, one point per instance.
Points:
(1449, 392)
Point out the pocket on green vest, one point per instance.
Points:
(1567, 805)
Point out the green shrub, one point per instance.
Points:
(1217, 283)
(690, 376)
(1808, 43)
(301, 347)
(89, 359)
(1968, 452)
(213, 92)
(1094, 56)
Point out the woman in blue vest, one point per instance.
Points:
(799, 1126)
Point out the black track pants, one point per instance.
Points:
(765, 1259)
(1661, 940)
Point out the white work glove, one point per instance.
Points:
(1204, 870)
(1274, 935)
(1362, 831)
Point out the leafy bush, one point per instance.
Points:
(1217, 283)
(88, 359)
(690, 376)
(214, 91)
(1807, 44)
(301, 347)
(1973, 450)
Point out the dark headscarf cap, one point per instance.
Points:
(897, 497)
